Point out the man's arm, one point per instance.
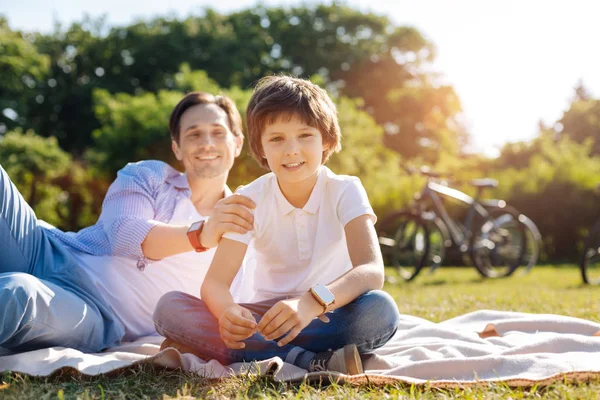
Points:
(229, 215)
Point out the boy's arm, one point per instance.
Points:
(367, 273)
(236, 323)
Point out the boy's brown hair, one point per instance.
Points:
(194, 98)
(284, 96)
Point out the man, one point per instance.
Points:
(92, 289)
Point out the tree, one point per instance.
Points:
(33, 163)
(22, 67)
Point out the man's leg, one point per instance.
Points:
(368, 322)
(37, 313)
(23, 242)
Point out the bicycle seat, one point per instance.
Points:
(484, 183)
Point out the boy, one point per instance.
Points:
(318, 264)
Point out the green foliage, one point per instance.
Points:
(33, 163)
(60, 191)
(132, 128)
(22, 67)
(557, 190)
(582, 122)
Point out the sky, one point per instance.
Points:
(512, 62)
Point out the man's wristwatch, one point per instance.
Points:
(323, 296)
(193, 234)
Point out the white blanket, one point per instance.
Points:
(481, 347)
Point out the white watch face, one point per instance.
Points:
(324, 294)
(194, 226)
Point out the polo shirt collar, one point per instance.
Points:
(312, 205)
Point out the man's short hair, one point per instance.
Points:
(194, 98)
(284, 96)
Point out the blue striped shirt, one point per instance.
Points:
(144, 194)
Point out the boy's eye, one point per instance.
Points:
(304, 135)
(275, 139)
(219, 132)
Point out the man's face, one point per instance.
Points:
(207, 147)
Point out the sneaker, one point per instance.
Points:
(345, 360)
(182, 348)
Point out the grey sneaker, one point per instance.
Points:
(345, 360)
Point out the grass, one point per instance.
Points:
(447, 293)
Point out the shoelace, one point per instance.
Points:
(319, 362)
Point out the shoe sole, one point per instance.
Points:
(352, 360)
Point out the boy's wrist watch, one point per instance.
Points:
(323, 296)
(193, 234)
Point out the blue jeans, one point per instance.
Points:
(369, 322)
(46, 299)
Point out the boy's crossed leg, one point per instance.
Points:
(368, 322)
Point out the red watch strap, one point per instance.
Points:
(193, 235)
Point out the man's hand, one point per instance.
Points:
(236, 324)
(229, 215)
(290, 315)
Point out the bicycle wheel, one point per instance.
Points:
(439, 241)
(498, 245)
(590, 260)
(404, 242)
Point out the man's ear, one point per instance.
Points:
(175, 148)
(239, 143)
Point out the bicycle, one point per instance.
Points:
(492, 236)
(590, 259)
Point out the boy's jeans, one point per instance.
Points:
(369, 322)
(45, 298)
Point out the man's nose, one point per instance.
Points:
(206, 140)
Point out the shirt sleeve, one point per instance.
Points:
(354, 202)
(248, 236)
(128, 210)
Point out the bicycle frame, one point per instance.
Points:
(432, 191)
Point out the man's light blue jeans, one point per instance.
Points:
(45, 297)
(368, 322)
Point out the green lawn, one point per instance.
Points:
(445, 294)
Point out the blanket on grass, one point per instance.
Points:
(482, 347)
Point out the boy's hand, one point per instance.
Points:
(236, 324)
(290, 315)
(229, 215)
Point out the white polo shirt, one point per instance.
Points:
(295, 248)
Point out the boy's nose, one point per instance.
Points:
(292, 148)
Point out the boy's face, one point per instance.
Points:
(293, 149)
